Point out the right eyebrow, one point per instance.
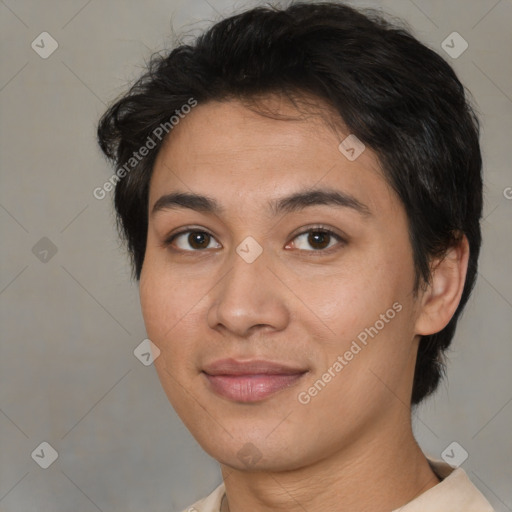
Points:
(195, 202)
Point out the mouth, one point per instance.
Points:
(250, 381)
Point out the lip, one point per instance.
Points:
(250, 381)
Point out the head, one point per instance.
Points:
(242, 131)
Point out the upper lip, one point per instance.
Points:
(252, 367)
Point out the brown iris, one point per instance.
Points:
(319, 239)
(199, 240)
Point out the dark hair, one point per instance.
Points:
(397, 96)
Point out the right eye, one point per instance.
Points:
(197, 239)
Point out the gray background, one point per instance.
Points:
(71, 320)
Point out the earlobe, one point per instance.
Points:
(442, 296)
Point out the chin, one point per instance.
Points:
(254, 451)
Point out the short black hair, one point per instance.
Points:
(400, 98)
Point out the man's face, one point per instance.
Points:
(308, 301)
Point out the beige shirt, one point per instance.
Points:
(455, 493)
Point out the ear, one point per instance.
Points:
(441, 298)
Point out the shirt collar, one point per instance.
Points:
(455, 493)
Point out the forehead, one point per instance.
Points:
(241, 155)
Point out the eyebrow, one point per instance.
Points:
(293, 203)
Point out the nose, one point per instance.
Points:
(248, 298)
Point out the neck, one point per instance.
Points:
(380, 471)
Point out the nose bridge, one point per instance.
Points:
(247, 278)
(249, 294)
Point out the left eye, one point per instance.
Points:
(319, 239)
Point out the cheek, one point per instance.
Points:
(167, 297)
(368, 309)
(171, 304)
(353, 299)
(373, 335)
(164, 305)
(154, 303)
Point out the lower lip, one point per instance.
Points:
(250, 388)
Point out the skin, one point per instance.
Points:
(351, 447)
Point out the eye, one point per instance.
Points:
(196, 239)
(320, 239)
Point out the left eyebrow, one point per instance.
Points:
(292, 203)
(318, 197)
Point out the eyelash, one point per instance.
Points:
(319, 229)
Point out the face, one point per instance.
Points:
(280, 293)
